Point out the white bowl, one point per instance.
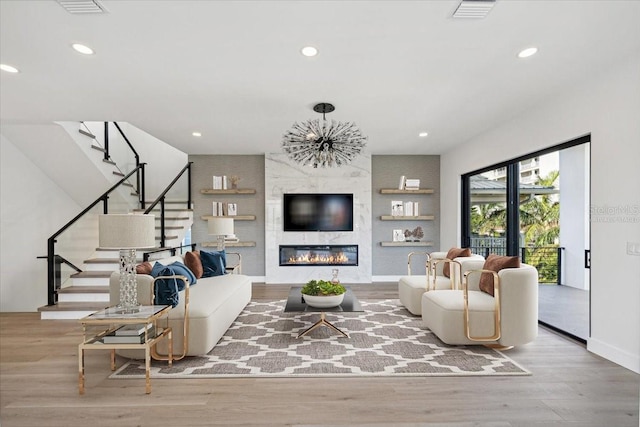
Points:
(323, 301)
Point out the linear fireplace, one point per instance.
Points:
(313, 255)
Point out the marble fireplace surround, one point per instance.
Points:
(284, 176)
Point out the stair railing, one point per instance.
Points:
(54, 285)
(139, 176)
(139, 187)
(161, 199)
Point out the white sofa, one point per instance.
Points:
(213, 305)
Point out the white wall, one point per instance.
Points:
(32, 209)
(609, 109)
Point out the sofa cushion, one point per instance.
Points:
(214, 263)
(496, 263)
(193, 261)
(453, 254)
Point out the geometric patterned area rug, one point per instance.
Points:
(384, 340)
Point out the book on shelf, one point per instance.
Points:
(408, 208)
(412, 184)
(112, 338)
(133, 329)
(402, 182)
(416, 208)
(397, 208)
(220, 182)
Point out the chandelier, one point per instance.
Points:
(318, 142)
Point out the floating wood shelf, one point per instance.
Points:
(396, 191)
(406, 243)
(229, 244)
(407, 218)
(235, 217)
(229, 191)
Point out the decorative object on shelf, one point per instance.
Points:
(334, 276)
(127, 232)
(234, 181)
(397, 208)
(417, 234)
(323, 294)
(220, 227)
(398, 235)
(323, 143)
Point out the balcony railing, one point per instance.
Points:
(547, 259)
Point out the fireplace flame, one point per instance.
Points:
(308, 258)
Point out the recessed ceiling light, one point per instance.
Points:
(423, 134)
(8, 68)
(309, 51)
(196, 134)
(527, 52)
(85, 50)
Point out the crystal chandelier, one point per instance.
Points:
(318, 142)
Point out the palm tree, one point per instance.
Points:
(540, 216)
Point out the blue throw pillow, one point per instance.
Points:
(214, 263)
(182, 270)
(167, 291)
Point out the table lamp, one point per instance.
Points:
(220, 227)
(127, 232)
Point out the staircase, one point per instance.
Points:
(88, 291)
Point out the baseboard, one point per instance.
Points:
(614, 354)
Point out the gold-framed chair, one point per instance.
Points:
(467, 316)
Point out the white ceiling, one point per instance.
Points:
(233, 69)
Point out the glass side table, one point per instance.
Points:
(99, 330)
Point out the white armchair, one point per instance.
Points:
(412, 286)
(471, 316)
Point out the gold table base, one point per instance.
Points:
(322, 322)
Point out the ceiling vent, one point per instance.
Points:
(474, 9)
(82, 6)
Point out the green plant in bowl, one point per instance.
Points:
(322, 288)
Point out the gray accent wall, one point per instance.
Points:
(250, 169)
(386, 173)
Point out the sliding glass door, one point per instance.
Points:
(519, 207)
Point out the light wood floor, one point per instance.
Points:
(569, 387)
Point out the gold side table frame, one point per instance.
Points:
(108, 320)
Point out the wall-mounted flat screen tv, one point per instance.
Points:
(318, 212)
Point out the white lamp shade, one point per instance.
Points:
(220, 226)
(127, 231)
